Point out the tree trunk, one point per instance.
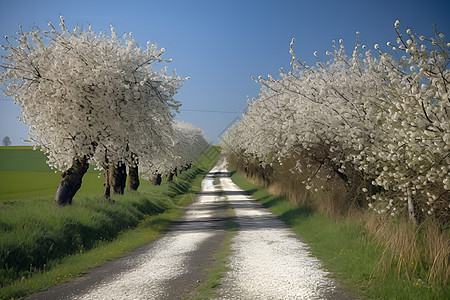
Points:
(411, 215)
(268, 171)
(117, 178)
(158, 179)
(170, 178)
(343, 176)
(133, 180)
(71, 181)
(107, 189)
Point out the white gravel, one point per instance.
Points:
(146, 281)
(268, 260)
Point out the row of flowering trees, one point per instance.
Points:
(385, 117)
(91, 98)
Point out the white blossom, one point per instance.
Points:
(386, 116)
(85, 94)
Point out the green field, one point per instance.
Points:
(24, 174)
(22, 158)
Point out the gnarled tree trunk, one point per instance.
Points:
(71, 181)
(158, 179)
(118, 177)
(115, 179)
(133, 178)
(173, 173)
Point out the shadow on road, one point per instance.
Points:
(217, 174)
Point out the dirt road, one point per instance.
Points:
(268, 260)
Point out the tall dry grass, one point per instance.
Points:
(415, 251)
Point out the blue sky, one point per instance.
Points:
(221, 44)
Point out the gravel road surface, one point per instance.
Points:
(268, 260)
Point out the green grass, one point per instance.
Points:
(24, 174)
(41, 244)
(16, 185)
(24, 158)
(218, 268)
(346, 249)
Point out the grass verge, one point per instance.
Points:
(346, 249)
(42, 245)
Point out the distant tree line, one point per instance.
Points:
(6, 141)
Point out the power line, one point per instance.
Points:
(195, 110)
(211, 111)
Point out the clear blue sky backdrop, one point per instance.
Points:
(221, 44)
